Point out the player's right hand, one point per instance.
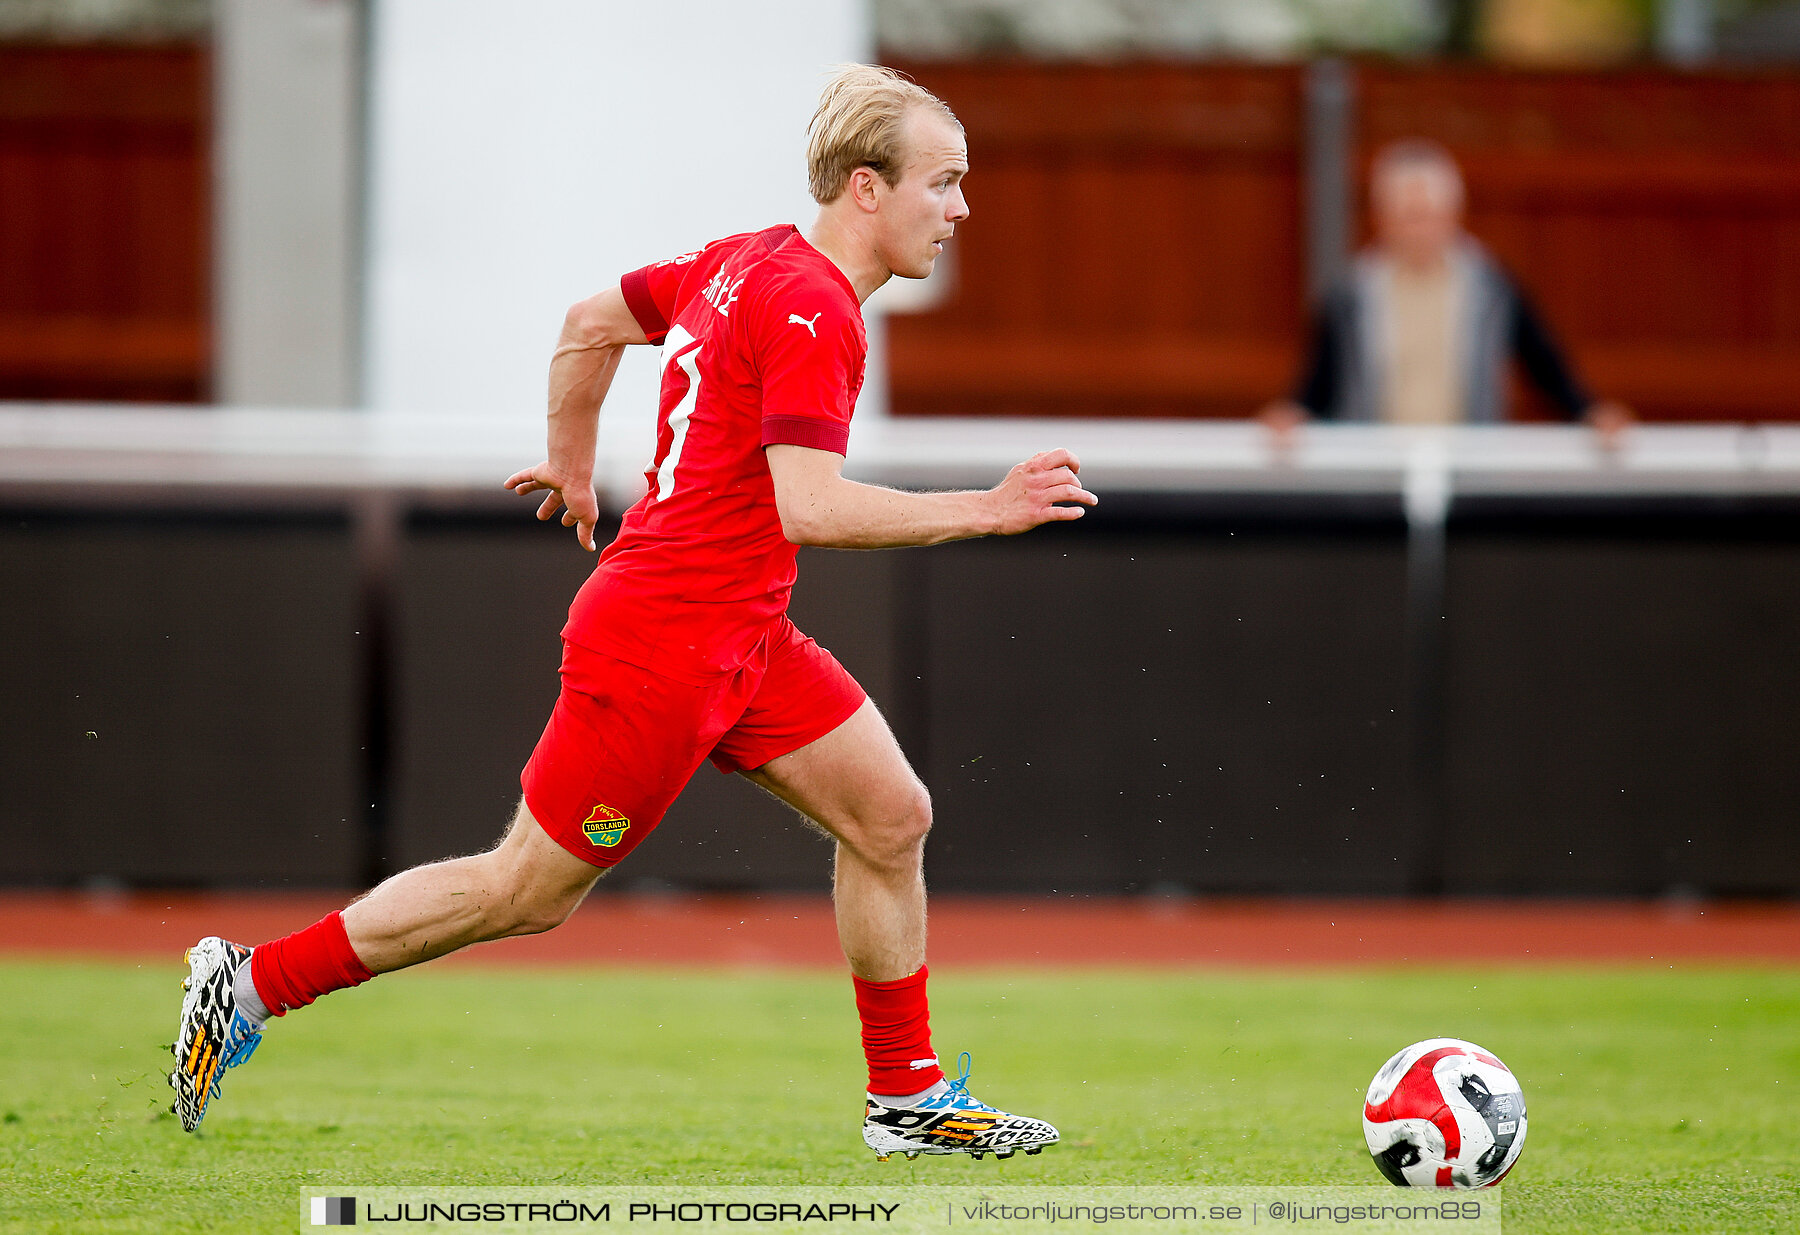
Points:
(1043, 489)
(581, 510)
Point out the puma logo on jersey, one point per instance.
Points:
(794, 319)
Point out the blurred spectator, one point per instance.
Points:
(1420, 330)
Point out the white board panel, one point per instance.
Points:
(525, 153)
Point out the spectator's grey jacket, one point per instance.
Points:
(1343, 374)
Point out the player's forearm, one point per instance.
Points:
(595, 334)
(848, 515)
(579, 380)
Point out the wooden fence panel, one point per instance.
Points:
(1134, 246)
(105, 222)
(1654, 216)
(1130, 245)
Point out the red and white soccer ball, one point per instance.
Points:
(1444, 1114)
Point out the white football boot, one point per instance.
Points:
(951, 1121)
(213, 1034)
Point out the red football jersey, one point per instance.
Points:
(763, 344)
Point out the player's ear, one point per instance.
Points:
(864, 188)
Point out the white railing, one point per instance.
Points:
(93, 445)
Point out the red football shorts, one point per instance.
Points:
(624, 740)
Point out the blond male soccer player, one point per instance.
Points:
(679, 649)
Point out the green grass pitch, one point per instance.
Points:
(1660, 1099)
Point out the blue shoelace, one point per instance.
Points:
(957, 1096)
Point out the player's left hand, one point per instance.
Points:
(1043, 489)
(573, 495)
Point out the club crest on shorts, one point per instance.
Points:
(605, 826)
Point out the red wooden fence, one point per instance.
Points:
(1134, 245)
(1131, 245)
(105, 235)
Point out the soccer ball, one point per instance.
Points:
(1444, 1114)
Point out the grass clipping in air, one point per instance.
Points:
(1660, 1099)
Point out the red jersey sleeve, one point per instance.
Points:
(810, 353)
(650, 295)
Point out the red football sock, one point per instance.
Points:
(292, 972)
(896, 1034)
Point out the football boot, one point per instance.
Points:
(951, 1121)
(214, 1034)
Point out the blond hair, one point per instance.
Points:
(859, 123)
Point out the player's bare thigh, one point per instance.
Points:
(855, 783)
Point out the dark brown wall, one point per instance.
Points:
(1624, 711)
(1134, 240)
(105, 239)
(179, 701)
(1208, 697)
(1199, 708)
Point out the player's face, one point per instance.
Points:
(921, 212)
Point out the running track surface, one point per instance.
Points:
(797, 931)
